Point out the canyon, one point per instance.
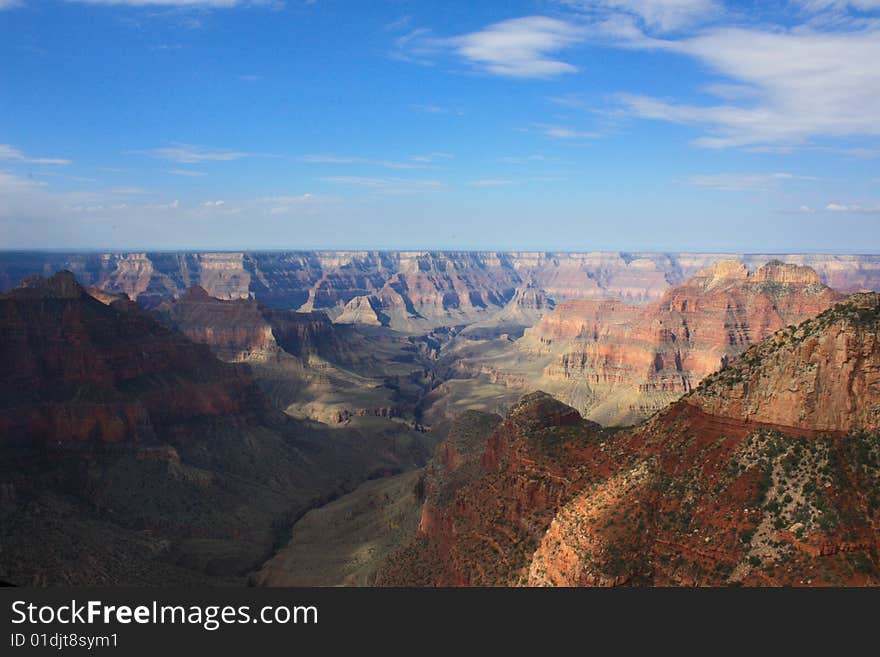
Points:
(718, 488)
(130, 454)
(266, 418)
(423, 336)
(411, 291)
(617, 362)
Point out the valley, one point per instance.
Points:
(327, 418)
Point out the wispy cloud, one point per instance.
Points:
(282, 205)
(432, 157)
(123, 190)
(778, 85)
(813, 6)
(520, 47)
(744, 182)
(658, 15)
(216, 4)
(9, 4)
(793, 84)
(326, 158)
(394, 186)
(186, 172)
(525, 159)
(491, 182)
(9, 181)
(804, 209)
(414, 162)
(418, 46)
(565, 132)
(173, 205)
(189, 154)
(10, 154)
(852, 208)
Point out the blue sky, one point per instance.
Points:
(549, 125)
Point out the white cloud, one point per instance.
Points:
(173, 205)
(127, 191)
(851, 208)
(294, 203)
(520, 47)
(431, 157)
(744, 182)
(34, 215)
(186, 172)
(189, 154)
(414, 162)
(838, 5)
(563, 132)
(91, 209)
(524, 159)
(490, 182)
(731, 91)
(804, 209)
(9, 4)
(806, 84)
(661, 15)
(323, 158)
(777, 85)
(9, 182)
(218, 4)
(26, 200)
(394, 186)
(11, 154)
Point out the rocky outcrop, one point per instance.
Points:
(528, 304)
(745, 481)
(308, 366)
(363, 310)
(234, 330)
(490, 491)
(70, 372)
(130, 454)
(823, 375)
(635, 359)
(777, 271)
(246, 331)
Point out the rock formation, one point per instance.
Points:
(618, 362)
(724, 486)
(823, 375)
(131, 455)
(410, 291)
(243, 330)
(308, 366)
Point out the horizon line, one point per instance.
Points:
(196, 250)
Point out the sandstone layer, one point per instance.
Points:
(617, 362)
(719, 488)
(410, 291)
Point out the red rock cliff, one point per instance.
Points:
(768, 474)
(635, 359)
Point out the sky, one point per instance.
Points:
(578, 125)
